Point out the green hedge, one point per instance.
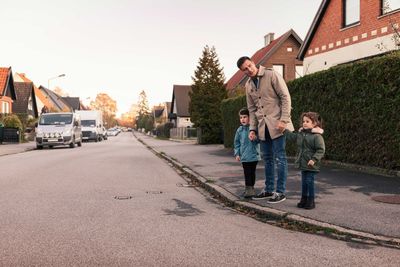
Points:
(230, 116)
(360, 105)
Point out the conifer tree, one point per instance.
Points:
(208, 91)
(144, 115)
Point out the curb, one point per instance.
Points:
(17, 152)
(275, 217)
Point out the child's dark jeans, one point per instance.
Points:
(250, 172)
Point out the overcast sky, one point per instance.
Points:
(121, 47)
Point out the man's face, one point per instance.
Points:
(249, 68)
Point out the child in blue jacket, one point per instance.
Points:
(247, 152)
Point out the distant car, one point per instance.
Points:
(112, 132)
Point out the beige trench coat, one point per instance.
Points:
(268, 104)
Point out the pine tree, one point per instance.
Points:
(144, 115)
(208, 91)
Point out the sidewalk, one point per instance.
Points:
(344, 198)
(14, 148)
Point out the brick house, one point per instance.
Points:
(346, 30)
(279, 54)
(7, 91)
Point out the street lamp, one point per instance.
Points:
(48, 81)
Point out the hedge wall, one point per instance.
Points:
(360, 106)
(230, 116)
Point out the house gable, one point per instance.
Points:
(275, 53)
(7, 83)
(56, 101)
(181, 100)
(26, 100)
(329, 43)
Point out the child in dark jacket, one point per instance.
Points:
(310, 150)
(247, 152)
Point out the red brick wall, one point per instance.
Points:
(288, 59)
(330, 29)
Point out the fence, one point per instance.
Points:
(183, 133)
(9, 135)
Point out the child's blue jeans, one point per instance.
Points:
(307, 183)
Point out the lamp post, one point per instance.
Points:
(58, 76)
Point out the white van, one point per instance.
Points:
(56, 129)
(92, 125)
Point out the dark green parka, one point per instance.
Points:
(309, 146)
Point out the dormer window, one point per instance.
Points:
(351, 12)
(388, 6)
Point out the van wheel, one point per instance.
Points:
(72, 145)
(39, 147)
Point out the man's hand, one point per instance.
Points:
(281, 126)
(252, 135)
(237, 158)
(311, 163)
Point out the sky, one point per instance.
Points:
(121, 47)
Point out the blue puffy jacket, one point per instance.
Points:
(247, 150)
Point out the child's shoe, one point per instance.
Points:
(249, 192)
(302, 202)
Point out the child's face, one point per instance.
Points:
(244, 119)
(307, 123)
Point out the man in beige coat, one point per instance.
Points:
(269, 104)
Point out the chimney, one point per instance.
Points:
(268, 38)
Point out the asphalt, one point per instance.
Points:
(346, 203)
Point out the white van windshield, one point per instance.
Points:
(88, 123)
(55, 119)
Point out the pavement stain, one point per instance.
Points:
(183, 209)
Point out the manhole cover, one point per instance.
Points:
(123, 197)
(393, 199)
(154, 192)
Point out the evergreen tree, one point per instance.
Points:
(143, 112)
(208, 91)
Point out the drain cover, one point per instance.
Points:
(393, 199)
(123, 197)
(154, 192)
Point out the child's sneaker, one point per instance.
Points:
(263, 195)
(276, 198)
(249, 192)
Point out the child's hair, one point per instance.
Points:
(244, 111)
(313, 116)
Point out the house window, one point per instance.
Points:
(299, 71)
(5, 107)
(389, 5)
(351, 12)
(279, 69)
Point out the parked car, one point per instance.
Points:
(112, 132)
(56, 129)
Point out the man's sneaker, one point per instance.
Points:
(278, 197)
(263, 195)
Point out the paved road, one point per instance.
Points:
(58, 209)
